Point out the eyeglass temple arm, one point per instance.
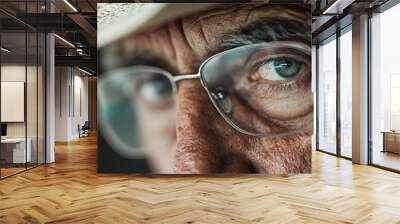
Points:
(186, 77)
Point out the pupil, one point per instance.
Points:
(287, 67)
(219, 93)
(161, 86)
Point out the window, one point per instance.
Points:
(385, 89)
(346, 92)
(327, 96)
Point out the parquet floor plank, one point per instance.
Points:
(71, 191)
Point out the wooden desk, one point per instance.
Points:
(16, 147)
(391, 141)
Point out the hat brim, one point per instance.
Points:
(154, 15)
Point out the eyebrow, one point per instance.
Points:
(257, 32)
(263, 31)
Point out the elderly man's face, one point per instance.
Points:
(204, 142)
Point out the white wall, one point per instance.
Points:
(62, 81)
(70, 83)
(80, 109)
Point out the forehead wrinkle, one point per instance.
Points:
(245, 13)
(211, 13)
(186, 58)
(203, 26)
(210, 26)
(142, 49)
(170, 40)
(201, 33)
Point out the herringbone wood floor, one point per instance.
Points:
(70, 191)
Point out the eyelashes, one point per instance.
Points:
(268, 82)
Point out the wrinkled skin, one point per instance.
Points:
(205, 142)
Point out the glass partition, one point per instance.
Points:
(14, 153)
(31, 99)
(41, 109)
(22, 77)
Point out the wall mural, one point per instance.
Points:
(204, 88)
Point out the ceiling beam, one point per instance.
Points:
(78, 61)
(84, 24)
(49, 22)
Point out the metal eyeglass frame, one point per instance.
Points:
(175, 79)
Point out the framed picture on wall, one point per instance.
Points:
(12, 101)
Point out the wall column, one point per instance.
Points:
(50, 99)
(50, 92)
(360, 90)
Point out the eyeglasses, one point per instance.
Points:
(259, 90)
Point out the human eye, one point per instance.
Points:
(155, 91)
(275, 86)
(279, 69)
(262, 88)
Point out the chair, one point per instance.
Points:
(84, 130)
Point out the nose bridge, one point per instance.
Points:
(193, 102)
(196, 132)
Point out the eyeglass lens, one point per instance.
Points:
(261, 89)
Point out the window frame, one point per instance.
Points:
(337, 35)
